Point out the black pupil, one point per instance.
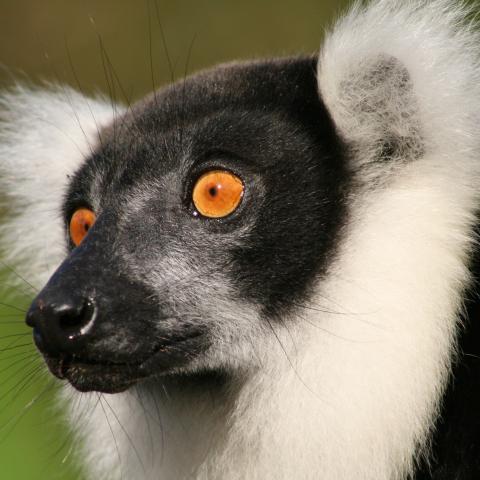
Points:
(213, 191)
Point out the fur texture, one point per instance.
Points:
(44, 137)
(350, 386)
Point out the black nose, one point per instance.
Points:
(61, 326)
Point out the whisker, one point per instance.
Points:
(26, 356)
(14, 335)
(160, 424)
(13, 307)
(23, 279)
(23, 345)
(138, 397)
(66, 442)
(358, 316)
(164, 42)
(79, 86)
(17, 354)
(113, 435)
(150, 51)
(127, 435)
(29, 380)
(17, 289)
(340, 337)
(291, 363)
(68, 98)
(189, 54)
(15, 374)
(18, 417)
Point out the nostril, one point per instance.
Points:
(75, 317)
(69, 320)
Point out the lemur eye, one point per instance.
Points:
(80, 223)
(217, 193)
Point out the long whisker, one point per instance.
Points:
(164, 42)
(20, 382)
(13, 307)
(139, 399)
(127, 435)
(21, 277)
(79, 86)
(150, 52)
(291, 363)
(112, 433)
(23, 345)
(17, 418)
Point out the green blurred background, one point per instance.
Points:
(65, 41)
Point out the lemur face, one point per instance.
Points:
(160, 285)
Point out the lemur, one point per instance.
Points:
(278, 258)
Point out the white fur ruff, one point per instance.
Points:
(44, 137)
(354, 389)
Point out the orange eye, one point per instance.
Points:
(217, 193)
(80, 223)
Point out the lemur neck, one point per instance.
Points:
(303, 414)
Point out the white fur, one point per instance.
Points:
(44, 137)
(350, 390)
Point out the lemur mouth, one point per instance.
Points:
(87, 375)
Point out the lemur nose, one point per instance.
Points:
(61, 327)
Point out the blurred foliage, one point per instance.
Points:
(58, 40)
(85, 43)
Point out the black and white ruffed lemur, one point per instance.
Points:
(278, 258)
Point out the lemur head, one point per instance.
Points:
(204, 215)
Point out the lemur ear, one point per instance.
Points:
(375, 110)
(44, 137)
(396, 76)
